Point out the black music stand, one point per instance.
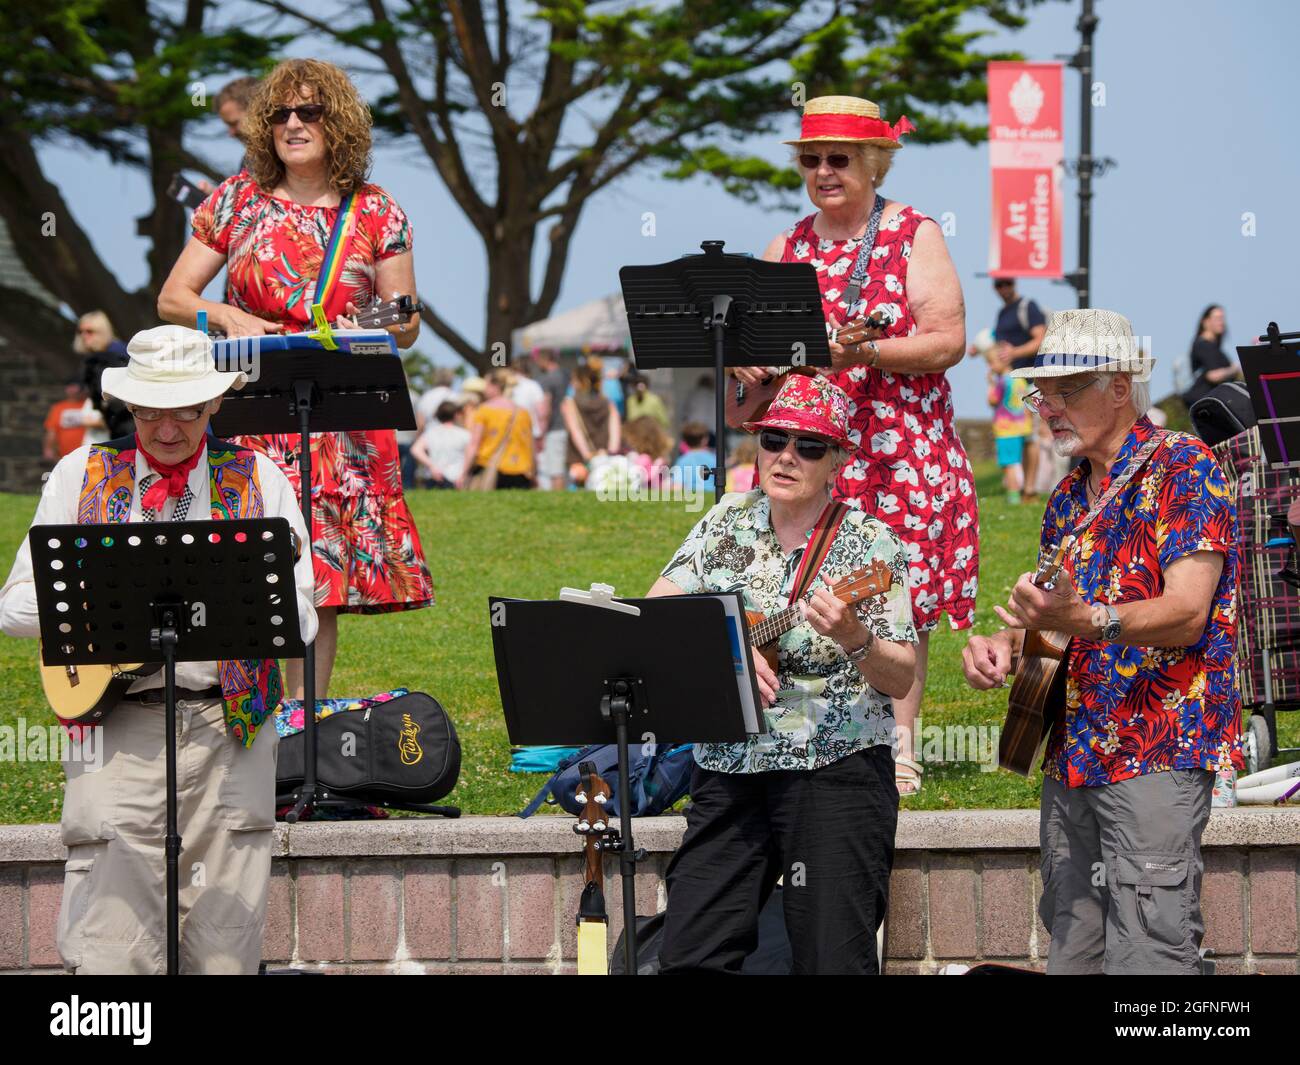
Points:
(175, 591)
(715, 310)
(582, 672)
(1272, 372)
(305, 392)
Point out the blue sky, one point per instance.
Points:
(1202, 135)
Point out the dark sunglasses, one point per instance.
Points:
(806, 447)
(305, 113)
(838, 161)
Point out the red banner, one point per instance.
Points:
(1026, 151)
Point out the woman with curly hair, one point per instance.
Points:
(308, 138)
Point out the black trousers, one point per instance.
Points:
(829, 832)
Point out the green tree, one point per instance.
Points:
(124, 79)
(525, 116)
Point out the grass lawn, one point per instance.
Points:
(529, 545)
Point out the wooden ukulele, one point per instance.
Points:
(593, 826)
(765, 631)
(1038, 691)
(748, 403)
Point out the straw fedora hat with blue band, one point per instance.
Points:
(849, 120)
(171, 368)
(1088, 340)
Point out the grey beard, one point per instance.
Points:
(1067, 446)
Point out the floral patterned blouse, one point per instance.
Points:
(1136, 710)
(274, 248)
(825, 709)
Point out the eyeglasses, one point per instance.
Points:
(806, 447)
(305, 113)
(1037, 400)
(838, 161)
(185, 414)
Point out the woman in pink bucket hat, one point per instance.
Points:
(908, 466)
(846, 654)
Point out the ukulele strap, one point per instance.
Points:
(819, 546)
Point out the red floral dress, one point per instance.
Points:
(368, 557)
(910, 469)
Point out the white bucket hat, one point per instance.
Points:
(171, 367)
(1088, 340)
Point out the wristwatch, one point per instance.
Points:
(858, 654)
(1110, 629)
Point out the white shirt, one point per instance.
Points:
(447, 443)
(427, 406)
(529, 395)
(58, 506)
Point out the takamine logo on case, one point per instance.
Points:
(408, 745)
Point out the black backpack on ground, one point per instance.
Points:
(403, 754)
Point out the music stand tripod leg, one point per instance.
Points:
(618, 707)
(717, 322)
(307, 795)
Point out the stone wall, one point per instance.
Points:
(493, 895)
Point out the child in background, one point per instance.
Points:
(647, 447)
(695, 435)
(742, 473)
(440, 449)
(1012, 423)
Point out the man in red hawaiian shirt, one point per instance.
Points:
(1152, 708)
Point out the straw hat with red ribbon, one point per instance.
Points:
(851, 120)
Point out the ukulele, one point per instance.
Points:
(593, 826)
(765, 631)
(84, 694)
(1038, 692)
(378, 315)
(750, 403)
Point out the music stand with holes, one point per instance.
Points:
(175, 591)
(589, 670)
(713, 310)
(296, 386)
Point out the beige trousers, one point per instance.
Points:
(114, 913)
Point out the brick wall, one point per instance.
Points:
(493, 895)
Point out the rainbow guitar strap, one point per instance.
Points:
(331, 268)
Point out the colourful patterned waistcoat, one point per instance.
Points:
(250, 688)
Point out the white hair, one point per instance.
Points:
(1139, 391)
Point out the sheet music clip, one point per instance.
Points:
(600, 595)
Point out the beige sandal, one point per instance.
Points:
(907, 776)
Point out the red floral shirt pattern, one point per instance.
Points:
(910, 469)
(367, 552)
(1136, 710)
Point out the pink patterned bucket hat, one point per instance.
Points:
(809, 403)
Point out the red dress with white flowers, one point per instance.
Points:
(910, 469)
(366, 549)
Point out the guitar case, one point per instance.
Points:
(403, 754)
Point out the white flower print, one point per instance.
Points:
(892, 285)
(962, 556)
(855, 438)
(969, 588)
(855, 471)
(840, 266)
(927, 601)
(832, 295)
(936, 527)
(916, 522)
(920, 448)
(882, 410)
(918, 501)
(903, 473)
(887, 504)
(913, 426)
(908, 395)
(964, 487)
(935, 433)
(886, 443)
(918, 577)
(933, 474)
(963, 521)
(801, 249)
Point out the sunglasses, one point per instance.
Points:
(149, 414)
(806, 447)
(305, 113)
(838, 161)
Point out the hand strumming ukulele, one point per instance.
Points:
(765, 631)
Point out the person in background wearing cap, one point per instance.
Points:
(814, 797)
(908, 466)
(113, 915)
(1152, 708)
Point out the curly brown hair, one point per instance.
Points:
(345, 125)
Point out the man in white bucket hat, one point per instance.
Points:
(1151, 705)
(113, 917)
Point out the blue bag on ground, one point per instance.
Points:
(660, 776)
(539, 759)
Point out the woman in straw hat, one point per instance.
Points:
(908, 467)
